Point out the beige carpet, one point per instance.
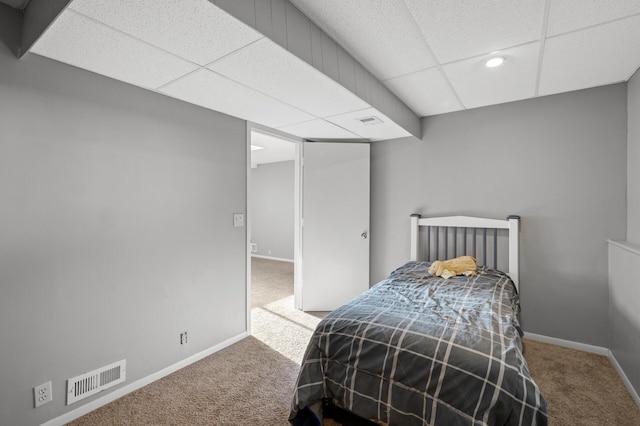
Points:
(270, 281)
(251, 382)
(580, 388)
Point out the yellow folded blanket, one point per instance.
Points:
(463, 265)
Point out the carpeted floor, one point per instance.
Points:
(581, 388)
(251, 382)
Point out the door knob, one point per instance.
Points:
(363, 235)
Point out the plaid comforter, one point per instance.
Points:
(421, 350)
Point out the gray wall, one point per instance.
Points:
(116, 229)
(557, 161)
(272, 221)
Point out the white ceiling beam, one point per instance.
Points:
(284, 24)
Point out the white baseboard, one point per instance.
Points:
(625, 379)
(110, 397)
(568, 344)
(272, 258)
(599, 350)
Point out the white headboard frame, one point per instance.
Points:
(511, 224)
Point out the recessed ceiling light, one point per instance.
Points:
(494, 62)
(256, 147)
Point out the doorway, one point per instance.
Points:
(273, 207)
(336, 217)
(273, 217)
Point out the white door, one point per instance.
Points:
(335, 224)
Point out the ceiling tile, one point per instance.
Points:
(79, 41)
(318, 129)
(376, 132)
(569, 15)
(193, 29)
(381, 35)
(457, 29)
(210, 90)
(514, 80)
(425, 92)
(270, 69)
(596, 56)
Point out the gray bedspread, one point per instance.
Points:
(421, 350)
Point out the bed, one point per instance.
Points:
(416, 349)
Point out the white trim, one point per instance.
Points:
(120, 392)
(298, 223)
(625, 379)
(464, 221)
(273, 132)
(599, 350)
(247, 257)
(281, 259)
(632, 248)
(415, 242)
(514, 250)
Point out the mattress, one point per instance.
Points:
(416, 349)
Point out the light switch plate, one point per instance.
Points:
(238, 220)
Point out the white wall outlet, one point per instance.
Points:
(238, 219)
(42, 394)
(183, 338)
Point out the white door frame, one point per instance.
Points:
(297, 214)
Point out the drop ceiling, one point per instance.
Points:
(430, 54)
(194, 51)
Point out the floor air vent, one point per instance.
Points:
(90, 383)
